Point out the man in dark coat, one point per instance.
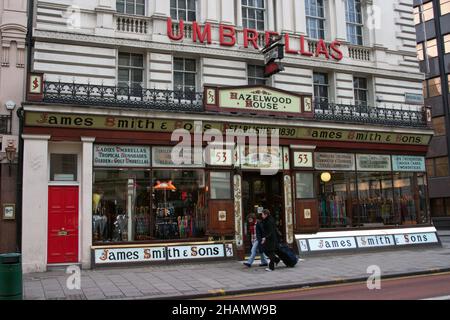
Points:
(270, 239)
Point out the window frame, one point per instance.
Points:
(320, 85)
(184, 72)
(357, 90)
(246, 17)
(319, 21)
(252, 79)
(357, 25)
(130, 68)
(135, 7)
(230, 185)
(186, 10)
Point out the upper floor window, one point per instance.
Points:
(447, 43)
(131, 72)
(361, 91)
(185, 73)
(423, 13)
(321, 87)
(253, 14)
(255, 75)
(434, 88)
(354, 21)
(315, 19)
(183, 10)
(419, 48)
(445, 7)
(135, 7)
(439, 126)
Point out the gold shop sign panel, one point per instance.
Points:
(257, 99)
(104, 122)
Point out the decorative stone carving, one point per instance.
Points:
(238, 211)
(288, 209)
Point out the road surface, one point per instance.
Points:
(435, 287)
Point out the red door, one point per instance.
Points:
(62, 225)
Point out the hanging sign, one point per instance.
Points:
(408, 163)
(334, 161)
(121, 156)
(373, 162)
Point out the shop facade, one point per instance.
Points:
(116, 196)
(108, 89)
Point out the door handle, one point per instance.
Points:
(63, 233)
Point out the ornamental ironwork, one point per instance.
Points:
(188, 100)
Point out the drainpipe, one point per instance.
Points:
(20, 115)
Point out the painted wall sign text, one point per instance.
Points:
(59, 120)
(121, 156)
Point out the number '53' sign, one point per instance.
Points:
(303, 159)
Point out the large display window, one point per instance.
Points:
(179, 198)
(121, 206)
(337, 200)
(376, 199)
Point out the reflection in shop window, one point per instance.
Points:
(179, 204)
(376, 199)
(337, 200)
(121, 206)
(220, 185)
(405, 205)
(63, 167)
(304, 185)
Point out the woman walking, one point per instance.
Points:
(256, 230)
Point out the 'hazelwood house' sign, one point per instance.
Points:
(228, 37)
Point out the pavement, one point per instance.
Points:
(199, 280)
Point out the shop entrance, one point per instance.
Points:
(265, 192)
(62, 225)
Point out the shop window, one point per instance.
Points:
(419, 48)
(179, 204)
(445, 7)
(422, 186)
(255, 75)
(434, 87)
(447, 43)
(315, 19)
(134, 7)
(122, 206)
(220, 184)
(337, 200)
(439, 126)
(405, 211)
(185, 73)
(183, 10)
(441, 166)
(376, 199)
(423, 13)
(253, 14)
(432, 50)
(354, 21)
(131, 74)
(361, 91)
(63, 167)
(321, 87)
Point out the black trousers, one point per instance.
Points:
(272, 254)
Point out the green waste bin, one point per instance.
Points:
(11, 276)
